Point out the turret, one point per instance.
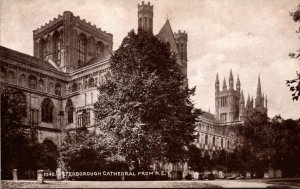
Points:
(258, 99)
(217, 85)
(242, 100)
(242, 106)
(181, 39)
(248, 101)
(224, 85)
(145, 17)
(231, 81)
(263, 101)
(238, 84)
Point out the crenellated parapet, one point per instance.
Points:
(51, 23)
(70, 42)
(145, 7)
(76, 20)
(181, 34)
(93, 27)
(145, 17)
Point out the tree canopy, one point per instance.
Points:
(294, 84)
(17, 143)
(265, 143)
(143, 109)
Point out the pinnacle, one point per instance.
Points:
(224, 84)
(217, 78)
(230, 76)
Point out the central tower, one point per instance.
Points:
(69, 42)
(145, 17)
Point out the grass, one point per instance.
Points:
(107, 184)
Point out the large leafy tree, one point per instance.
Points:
(82, 150)
(20, 148)
(255, 150)
(143, 108)
(196, 161)
(16, 141)
(294, 84)
(286, 143)
(264, 143)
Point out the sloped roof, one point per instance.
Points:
(208, 116)
(166, 34)
(25, 58)
(96, 60)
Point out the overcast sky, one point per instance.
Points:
(250, 37)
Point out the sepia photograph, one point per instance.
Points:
(150, 94)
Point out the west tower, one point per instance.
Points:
(230, 103)
(227, 101)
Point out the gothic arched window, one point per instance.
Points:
(182, 49)
(69, 110)
(99, 49)
(57, 47)
(32, 82)
(91, 82)
(168, 45)
(151, 23)
(57, 89)
(96, 81)
(46, 49)
(74, 87)
(50, 87)
(214, 141)
(206, 139)
(3, 74)
(91, 46)
(42, 50)
(140, 22)
(82, 47)
(222, 143)
(22, 80)
(146, 24)
(41, 85)
(47, 110)
(11, 76)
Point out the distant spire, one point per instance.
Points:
(217, 79)
(242, 97)
(224, 85)
(242, 106)
(230, 76)
(259, 98)
(238, 83)
(258, 92)
(248, 101)
(230, 80)
(217, 85)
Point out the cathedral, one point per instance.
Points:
(70, 59)
(213, 131)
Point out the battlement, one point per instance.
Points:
(181, 34)
(68, 15)
(143, 6)
(48, 24)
